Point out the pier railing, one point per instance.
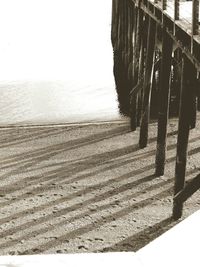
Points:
(155, 43)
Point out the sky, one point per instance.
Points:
(56, 61)
(55, 40)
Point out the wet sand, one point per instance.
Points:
(86, 188)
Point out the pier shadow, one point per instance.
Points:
(79, 195)
(142, 238)
(98, 223)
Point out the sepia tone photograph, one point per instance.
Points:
(99, 133)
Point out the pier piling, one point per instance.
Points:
(188, 75)
(154, 51)
(163, 102)
(147, 85)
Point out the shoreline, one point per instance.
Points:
(67, 124)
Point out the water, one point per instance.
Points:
(56, 62)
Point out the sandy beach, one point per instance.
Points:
(86, 188)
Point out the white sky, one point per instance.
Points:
(56, 61)
(55, 40)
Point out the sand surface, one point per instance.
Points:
(81, 188)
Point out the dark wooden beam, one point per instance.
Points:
(190, 188)
(163, 102)
(176, 9)
(147, 83)
(136, 60)
(195, 17)
(188, 75)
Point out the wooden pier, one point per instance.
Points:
(157, 47)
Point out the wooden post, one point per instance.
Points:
(193, 117)
(125, 31)
(140, 77)
(119, 27)
(136, 58)
(143, 49)
(133, 99)
(115, 21)
(195, 21)
(195, 17)
(198, 91)
(188, 76)
(176, 82)
(123, 35)
(121, 56)
(163, 102)
(190, 188)
(130, 43)
(164, 4)
(147, 83)
(176, 9)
